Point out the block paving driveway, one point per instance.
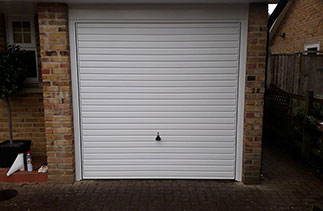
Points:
(287, 185)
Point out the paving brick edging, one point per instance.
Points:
(57, 91)
(254, 93)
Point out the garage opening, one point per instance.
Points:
(141, 79)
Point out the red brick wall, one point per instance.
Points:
(302, 24)
(254, 98)
(27, 113)
(28, 120)
(56, 75)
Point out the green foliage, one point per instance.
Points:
(13, 70)
(316, 115)
(298, 112)
(310, 125)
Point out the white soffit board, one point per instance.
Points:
(176, 78)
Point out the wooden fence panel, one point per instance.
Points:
(313, 69)
(287, 122)
(296, 73)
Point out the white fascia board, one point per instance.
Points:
(225, 12)
(144, 1)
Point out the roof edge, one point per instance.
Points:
(275, 21)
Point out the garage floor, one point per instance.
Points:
(286, 186)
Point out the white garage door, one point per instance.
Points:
(176, 79)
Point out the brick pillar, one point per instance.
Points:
(57, 92)
(255, 88)
(2, 32)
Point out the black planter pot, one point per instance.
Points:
(8, 153)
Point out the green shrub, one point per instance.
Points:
(13, 72)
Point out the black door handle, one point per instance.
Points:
(158, 137)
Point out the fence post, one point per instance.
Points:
(269, 71)
(320, 128)
(290, 106)
(297, 74)
(306, 142)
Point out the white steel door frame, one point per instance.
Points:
(241, 87)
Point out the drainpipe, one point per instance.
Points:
(271, 20)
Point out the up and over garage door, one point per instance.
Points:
(141, 79)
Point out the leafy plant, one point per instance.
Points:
(298, 112)
(316, 115)
(312, 120)
(13, 72)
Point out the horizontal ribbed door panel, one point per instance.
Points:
(138, 79)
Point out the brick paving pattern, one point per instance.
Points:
(287, 185)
